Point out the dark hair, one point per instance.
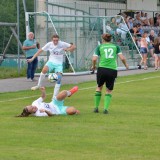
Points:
(25, 113)
(38, 45)
(106, 37)
(55, 36)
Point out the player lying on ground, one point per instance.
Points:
(55, 107)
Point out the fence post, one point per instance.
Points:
(18, 49)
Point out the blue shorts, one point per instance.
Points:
(60, 105)
(151, 47)
(55, 67)
(143, 50)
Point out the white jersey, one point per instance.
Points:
(56, 51)
(47, 106)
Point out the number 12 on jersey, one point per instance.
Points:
(109, 53)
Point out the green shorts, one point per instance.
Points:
(55, 67)
(60, 106)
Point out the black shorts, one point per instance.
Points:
(107, 76)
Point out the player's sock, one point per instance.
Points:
(56, 89)
(41, 78)
(72, 91)
(107, 100)
(97, 99)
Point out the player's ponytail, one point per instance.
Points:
(106, 37)
(24, 113)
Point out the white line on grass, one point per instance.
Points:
(81, 89)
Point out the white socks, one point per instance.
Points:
(41, 78)
(56, 89)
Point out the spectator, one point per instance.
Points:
(155, 19)
(122, 30)
(30, 48)
(151, 42)
(158, 20)
(130, 23)
(135, 30)
(157, 52)
(139, 26)
(138, 19)
(113, 24)
(144, 50)
(146, 20)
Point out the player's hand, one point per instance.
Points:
(42, 88)
(42, 110)
(65, 49)
(29, 60)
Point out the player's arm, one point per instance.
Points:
(94, 61)
(94, 58)
(123, 59)
(36, 55)
(43, 93)
(48, 112)
(71, 48)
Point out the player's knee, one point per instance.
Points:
(59, 78)
(71, 110)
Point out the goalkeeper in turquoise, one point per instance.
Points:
(107, 69)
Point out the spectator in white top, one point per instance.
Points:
(122, 30)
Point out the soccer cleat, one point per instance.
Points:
(105, 111)
(95, 110)
(35, 88)
(73, 90)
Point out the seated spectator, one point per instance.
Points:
(130, 23)
(158, 20)
(146, 21)
(135, 31)
(155, 19)
(113, 23)
(140, 29)
(122, 30)
(138, 19)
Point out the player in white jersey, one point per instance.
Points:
(55, 107)
(57, 49)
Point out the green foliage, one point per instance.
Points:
(129, 132)
(8, 12)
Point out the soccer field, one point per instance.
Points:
(130, 131)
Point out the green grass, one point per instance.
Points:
(130, 131)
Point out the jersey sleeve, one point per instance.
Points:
(119, 51)
(46, 47)
(39, 100)
(97, 51)
(65, 45)
(39, 114)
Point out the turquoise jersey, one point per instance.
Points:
(28, 43)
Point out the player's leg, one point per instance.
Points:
(48, 67)
(58, 71)
(100, 82)
(72, 111)
(63, 94)
(112, 74)
(58, 84)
